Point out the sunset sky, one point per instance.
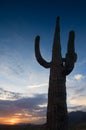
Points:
(23, 82)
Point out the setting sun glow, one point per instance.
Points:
(19, 118)
(13, 121)
(9, 121)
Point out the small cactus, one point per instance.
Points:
(57, 116)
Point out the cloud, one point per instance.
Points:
(78, 77)
(78, 100)
(17, 71)
(9, 95)
(25, 108)
(77, 108)
(76, 92)
(38, 86)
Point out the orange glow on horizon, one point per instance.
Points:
(18, 118)
(12, 121)
(9, 121)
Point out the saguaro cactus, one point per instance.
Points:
(57, 116)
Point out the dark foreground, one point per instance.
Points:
(80, 126)
(22, 127)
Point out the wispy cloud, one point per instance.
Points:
(38, 86)
(77, 108)
(10, 62)
(18, 73)
(9, 95)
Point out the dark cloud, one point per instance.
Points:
(9, 95)
(7, 108)
(29, 105)
(32, 103)
(77, 108)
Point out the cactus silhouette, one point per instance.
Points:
(57, 115)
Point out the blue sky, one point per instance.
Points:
(23, 82)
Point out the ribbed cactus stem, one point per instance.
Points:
(56, 52)
(38, 54)
(71, 48)
(71, 56)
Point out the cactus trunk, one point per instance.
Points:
(57, 117)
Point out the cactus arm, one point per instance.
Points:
(71, 56)
(38, 54)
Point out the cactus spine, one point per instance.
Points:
(57, 116)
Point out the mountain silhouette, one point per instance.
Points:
(77, 117)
